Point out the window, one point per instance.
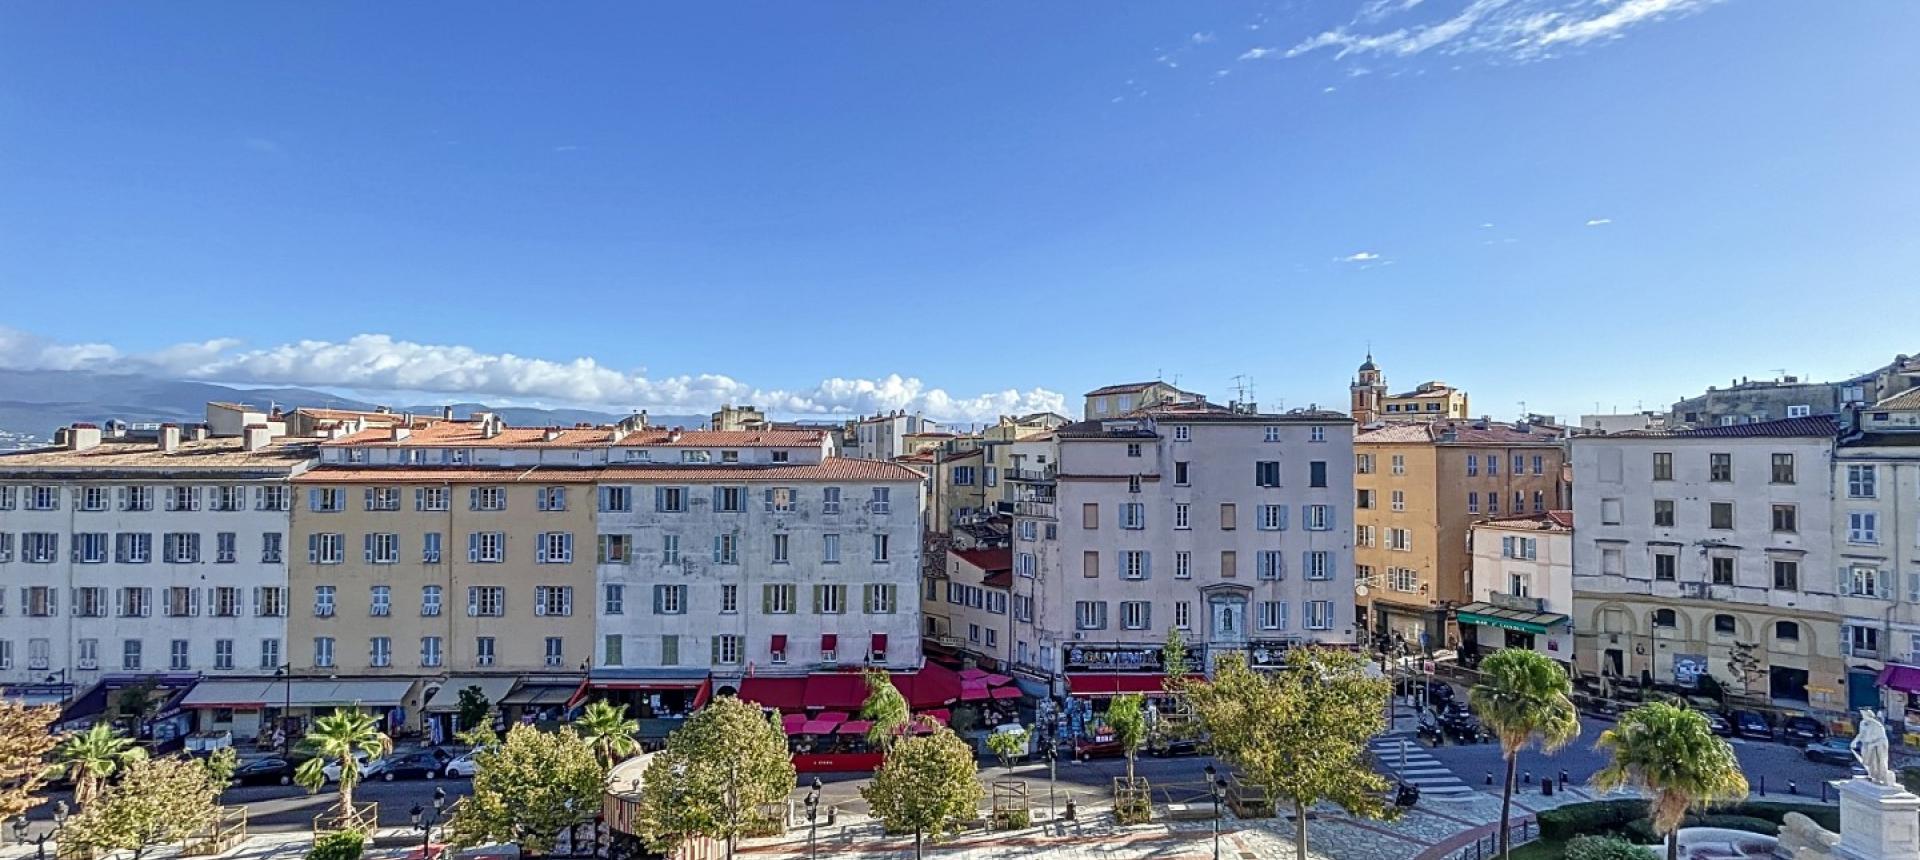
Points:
(963, 476)
(551, 498)
(137, 498)
(726, 650)
(1720, 515)
(1493, 465)
(1363, 464)
(1520, 584)
(1783, 468)
(1317, 473)
(829, 599)
(91, 548)
(1786, 518)
(1860, 641)
(830, 500)
(1023, 564)
(1090, 515)
(180, 498)
(1399, 500)
(1133, 449)
(95, 498)
(1180, 477)
(1266, 473)
(1319, 518)
(1133, 515)
(1229, 516)
(1539, 502)
(1663, 513)
(1400, 539)
(269, 653)
(222, 654)
(1029, 530)
(670, 500)
(1473, 503)
(382, 548)
(380, 601)
(1519, 463)
(487, 547)
(430, 651)
(729, 598)
(556, 651)
(483, 651)
(1665, 618)
(616, 499)
(1319, 565)
(271, 601)
(669, 549)
(1863, 581)
(1022, 607)
(1136, 614)
(1609, 512)
(830, 549)
(1666, 566)
(1319, 615)
(611, 653)
(881, 548)
(1271, 518)
(780, 499)
(1182, 615)
(1182, 565)
(1090, 615)
(1724, 624)
(180, 547)
(380, 652)
(327, 500)
(553, 548)
(1363, 536)
(1862, 482)
(1786, 631)
(180, 601)
(429, 600)
(271, 544)
(1363, 499)
(1182, 516)
(883, 599)
(323, 601)
(323, 652)
(381, 498)
(1516, 547)
(1182, 433)
(1786, 574)
(777, 599)
(1720, 468)
(1539, 465)
(1863, 527)
(669, 600)
(486, 601)
(88, 602)
(615, 549)
(882, 500)
(1399, 464)
(1273, 615)
(553, 600)
(670, 650)
(430, 498)
(1722, 570)
(1270, 565)
(1135, 564)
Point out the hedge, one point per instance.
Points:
(1628, 819)
(1605, 848)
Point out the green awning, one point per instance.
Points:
(1508, 619)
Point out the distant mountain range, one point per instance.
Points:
(35, 402)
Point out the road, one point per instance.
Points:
(285, 808)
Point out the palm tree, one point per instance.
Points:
(607, 729)
(337, 737)
(94, 755)
(1673, 753)
(1524, 697)
(886, 711)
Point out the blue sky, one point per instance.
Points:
(962, 207)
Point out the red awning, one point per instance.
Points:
(973, 691)
(779, 643)
(932, 687)
(1115, 683)
(704, 694)
(1007, 692)
(1903, 678)
(829, 641)
(879, 644)
(787, 694)
(854, 727)
(839, 690)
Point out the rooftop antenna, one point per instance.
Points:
(1523, 409)
(1243, 386)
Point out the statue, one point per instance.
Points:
(1870, 747)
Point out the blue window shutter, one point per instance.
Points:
(1146, 565)
(313, 500)
(1332, 517)
(769, 494)
(419, 498)
(541, 500)
(540, 547)
(560, 497)
(716, 549)
(313, 548)
(473, 499)
(367, 498)
(657, 602)
(473, 546)
(366, 545)
(1283, 517)
(659, 498)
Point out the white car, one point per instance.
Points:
(463, 766)
(332, 768)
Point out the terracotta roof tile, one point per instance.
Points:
(468, 434)
(987, 559)
(657, 437)
(1123, 388)
(1463, 432)
(1903, 400)
(830, 469)
(448, 475)
(224, 452)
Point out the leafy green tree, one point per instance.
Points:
(95, 755)
(1524, 697)
(926, 785)
(1674, 755)
(607, 729)
(1173, 660)
(473, 709)
(1300, 731)
(529, 788)
(24, 743)
(1008, 746)
(136, 704)
(337, 737)
(157, 801)
(1127, 717)
(221, 764)
(885, 709)
(715, 773)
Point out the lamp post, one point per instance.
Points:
(59, 821)
(1213, 787)
(285, 674)
(424, 821)
(813, 819)
(1053, 755)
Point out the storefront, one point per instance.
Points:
(162, 722)
(443, 702)
(542, 699)
(1270, 653)
(253, 708)
(1486, 627)
(818, 711)
(661, 699)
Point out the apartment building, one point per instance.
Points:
(736, 554)
(1419, 487)
(1115, 400)
(1230, 526)
(1876, 534)
(158, 549)
(884, 437)
(1710, 551)
(1745, 401)
(1426, 402)
(461, 546)
(1522, 586)
(968, 605)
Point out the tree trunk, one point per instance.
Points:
(1506, 807)
(1129, 768)
(916, 844)
(1299, 830)
(729, 846)
(1673, 843)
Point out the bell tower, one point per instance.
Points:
(1369, 392)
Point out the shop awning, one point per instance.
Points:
(492, 687)
(531, 695)
(854, 727)
(652, 680)
(931, 687)
(1115, 683)
(1490, 615)
(299, 693)
(167, 695)
(1903, 678)
(839, 690)
(786, 694)
(973, 691)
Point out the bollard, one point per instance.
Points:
(1563, 780)
(1546, 788)
(1793, 787)
(1528, 779)
(1823, 792)
(1763, 785)
(1489, 777)
(1070, 810)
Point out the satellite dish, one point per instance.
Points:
(1360, 590)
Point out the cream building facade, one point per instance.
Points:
(1876, 534)
(1522, 586)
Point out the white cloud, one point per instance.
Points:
(1201, 38)
(1360, 257)
(1597, 222)
(378, 362)
(1257, 53)
(1487, 226)
(1329, 89)
(1513, 29)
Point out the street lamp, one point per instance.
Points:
(1214, 784)
(813, 819)
(1053, 755)
(424, 821)
(285, 673)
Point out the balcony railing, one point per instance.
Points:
(1027, 508)
(1036, 476)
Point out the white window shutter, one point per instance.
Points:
(566, 600)
(473, 499)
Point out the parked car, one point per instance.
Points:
(1086, 749)
(1831, 751)
(462, 767)
(264, 771)
(1719, 723)
(1438, 692)
(332, 768)
(1748, 724)
(419, 765)
(1803, 730)
(1167, 748)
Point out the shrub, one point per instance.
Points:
(1600, 817)
(1133, 810)
(1012, 819)
(343, 845)
(1606, 848)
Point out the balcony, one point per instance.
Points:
(1031, 476)
(1033, 508)
(1514, 601)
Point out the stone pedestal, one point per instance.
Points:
(1878, 822)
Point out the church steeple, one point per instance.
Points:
(1369, 391)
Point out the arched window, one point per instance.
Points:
(1664, 618)
(1724, 623)
(1786, 630)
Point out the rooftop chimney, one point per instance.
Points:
(673, 435)
(401, 432)
(197, 432)
(169, 438)
(83, 437)
(551, 434)
(446, 413)
(255, 436)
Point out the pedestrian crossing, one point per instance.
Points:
(1421, 769)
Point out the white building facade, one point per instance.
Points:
(773, 559)
(1710, 551)
(148, 553)
(1876, 533)
(1234, 528)
(1522, 585)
